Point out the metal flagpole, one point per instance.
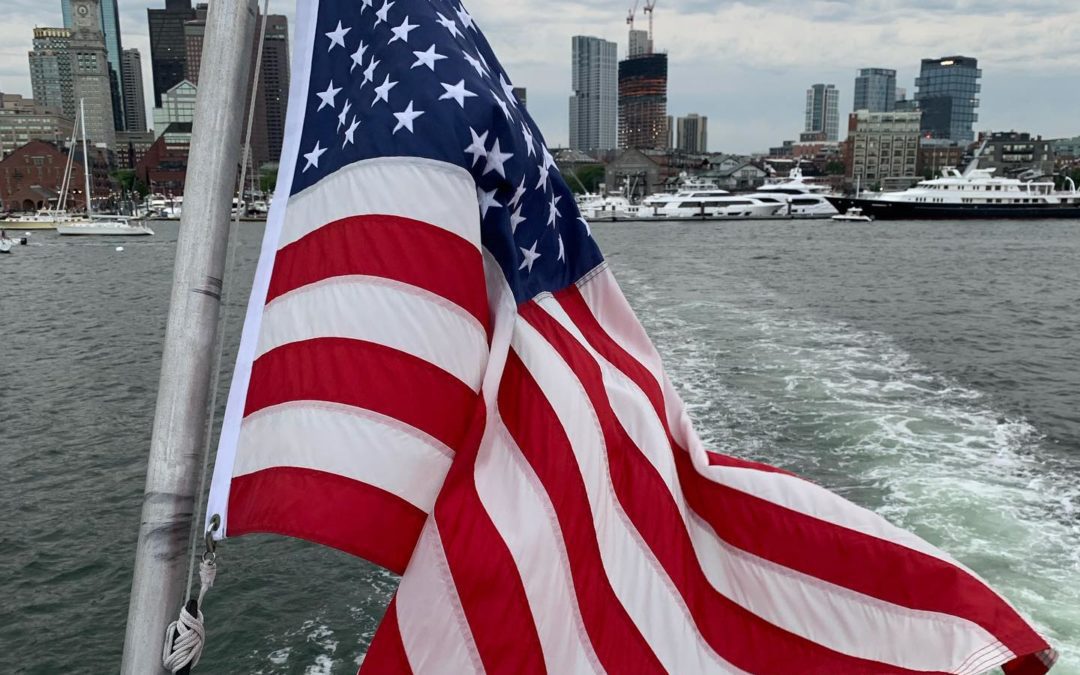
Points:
(161, 560)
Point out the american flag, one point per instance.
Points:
(439, 373)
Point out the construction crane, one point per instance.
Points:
(648, 9)
(630, 16)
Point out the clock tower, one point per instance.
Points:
(90, 71)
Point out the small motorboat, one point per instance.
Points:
(6, 242)
(853, 215)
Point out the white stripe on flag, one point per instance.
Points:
(433, 627)
(385, 312)
(642, 587)
(520, 510)
(352, 442)
(440, 194)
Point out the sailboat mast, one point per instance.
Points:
(85, 157)
(182, 414)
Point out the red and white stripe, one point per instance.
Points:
(533, 474)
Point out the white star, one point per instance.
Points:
(495, 159)
(553, 211)
(543, 177)
(313, 157)
(367, 3)
(477, 149)
(405, 117)
(358, 56)
(448, 24)
(516, 219)
(549, 161)
(466, 19)
(519, 192)
(382, 92)
(527, 133)
(508, 90)
(328, 95)
(428, 58)
(530, 257)
(350, 131)
(487, 201)
(562, 251)
(475, 63)
(369, 72)
(588, 230)
(337, 36)
(344, 113)
(402, 32)
(381, 12)
(502, 105)
(458, 92)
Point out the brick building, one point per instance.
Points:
(31, 176)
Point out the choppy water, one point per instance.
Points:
(929, 371)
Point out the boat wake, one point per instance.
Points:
(854, 412)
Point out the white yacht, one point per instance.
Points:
(797, 197)
(612, 207)
(101, 225)
(701, 198)
(975, 193)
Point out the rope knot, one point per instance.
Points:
(186, 637)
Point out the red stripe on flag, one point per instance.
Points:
(392, 247)
(328, 509)
(787, 537)
(386, 654)
(539, 435)
(484, 571)
(736, 634)
(365, 375)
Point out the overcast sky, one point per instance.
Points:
(746, 65)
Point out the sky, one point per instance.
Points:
(745, 65)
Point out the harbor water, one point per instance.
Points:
(927, 370)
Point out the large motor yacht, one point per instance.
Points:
(797, 197)
(975, 193)
(700, 198)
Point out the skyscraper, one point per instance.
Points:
(50, 70)
(693, 133)
(134, 98)
(90, 71)
(168, 53)
(639, 43)
(595, 103)
(110, 27)
(875, 90)
(643, 120)
(822, 113)
(947, 94)
(273, 92)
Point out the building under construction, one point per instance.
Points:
(643, 102)
(643, 120)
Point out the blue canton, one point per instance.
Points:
(417, 78)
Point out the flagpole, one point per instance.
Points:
(176, 446)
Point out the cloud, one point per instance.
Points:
(746, 65)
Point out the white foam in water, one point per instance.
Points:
(853, 411)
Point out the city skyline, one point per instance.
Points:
(756, 61)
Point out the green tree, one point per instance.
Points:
(125, 177)
(835, 168)
(585, 178)
(268, 178)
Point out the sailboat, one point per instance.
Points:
(48, 219)
(98, 225)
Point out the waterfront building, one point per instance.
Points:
(639, 43)
(643, 119)
(882, 149)
(92, 83)
(168, 53)
(134, 98)
(177, 105)
(1012, 153)
(30, 176)
(130, 147)
(163, 168)
(1066, 147)
(522, 96)
(693, 133)
(23, 120)
(594, 107)
(875, 90)
(50, 70)
(937, 154)
(947, 94)
(822, 113)
(109, 20)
